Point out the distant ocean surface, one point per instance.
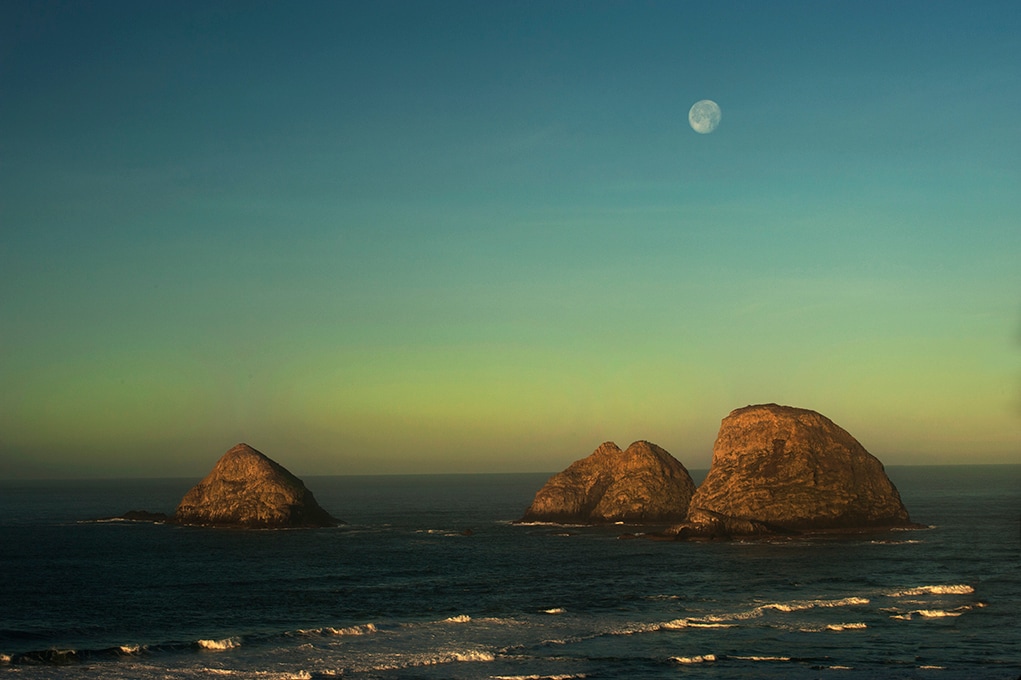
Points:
(403, 590)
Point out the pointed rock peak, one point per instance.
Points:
(248, 489)
(607, 449)
(642, 484)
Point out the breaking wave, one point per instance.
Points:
(935, 590)
(219, 645)
(704, 658)
(365, 629)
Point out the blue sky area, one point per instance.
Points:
(372, 237)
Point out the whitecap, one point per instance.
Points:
(936, 613)
(678, 624)
(219, 645)
(960, 589)
(561, 676)
(840, 627)
(703, 658)
(554, 610)
(366, 629)
(932, 668)
(762, 658)
(460, 618)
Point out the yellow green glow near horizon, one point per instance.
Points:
(493, 249)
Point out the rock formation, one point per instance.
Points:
(247, 489)
(642, 484)
(784, 469)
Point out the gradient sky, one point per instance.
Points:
(373, 237)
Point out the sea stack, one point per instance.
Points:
(642, 484)
(246, 489)
(778, 469)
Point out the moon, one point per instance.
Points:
(705, 116)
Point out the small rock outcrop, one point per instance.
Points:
(642, 484)
(247, 489)
(780, 469)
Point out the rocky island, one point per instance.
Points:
(642, 484)
(248, 490)
(780, 469)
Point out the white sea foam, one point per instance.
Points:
(936, 613)
(471, 655)
(784, 607)
(461, 618)
(128, 650)
(704, 658)
(840, 627)
(935, 590)
(577, 676)
(219, 645)
(762, 658)
(678, 624)
(366, 629)
(554, 610)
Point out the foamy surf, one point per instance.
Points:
(576, 676)
(219, 645)
(961, 589)
(703, 658)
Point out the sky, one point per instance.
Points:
(430, 237)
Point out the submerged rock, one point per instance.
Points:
(247, 489)
(642, 484)
(780, 469)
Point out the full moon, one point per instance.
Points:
(705, 116)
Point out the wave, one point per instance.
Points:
(436, 659)
(460, 618)
(761, 658)
(841, 627)
(961, 589)
(554, 610)
(61, 657)
(704, 658)
(365, 629)
(219, 645)
(678, 624)
(931, 613)
(561, 676)
(785, 607)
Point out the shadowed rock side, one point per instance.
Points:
(781, 469)
(642, 484)
(247, 489)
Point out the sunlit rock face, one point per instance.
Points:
(642, 484)
(247, 489)
(779, 468)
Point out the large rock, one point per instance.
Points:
(247, 489)
(642, 484)
(783, 469)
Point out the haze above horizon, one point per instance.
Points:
(482, 237)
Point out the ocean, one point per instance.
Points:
(431, 578)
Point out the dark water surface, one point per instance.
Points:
(402, 592)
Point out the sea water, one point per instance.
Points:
(430, 578)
